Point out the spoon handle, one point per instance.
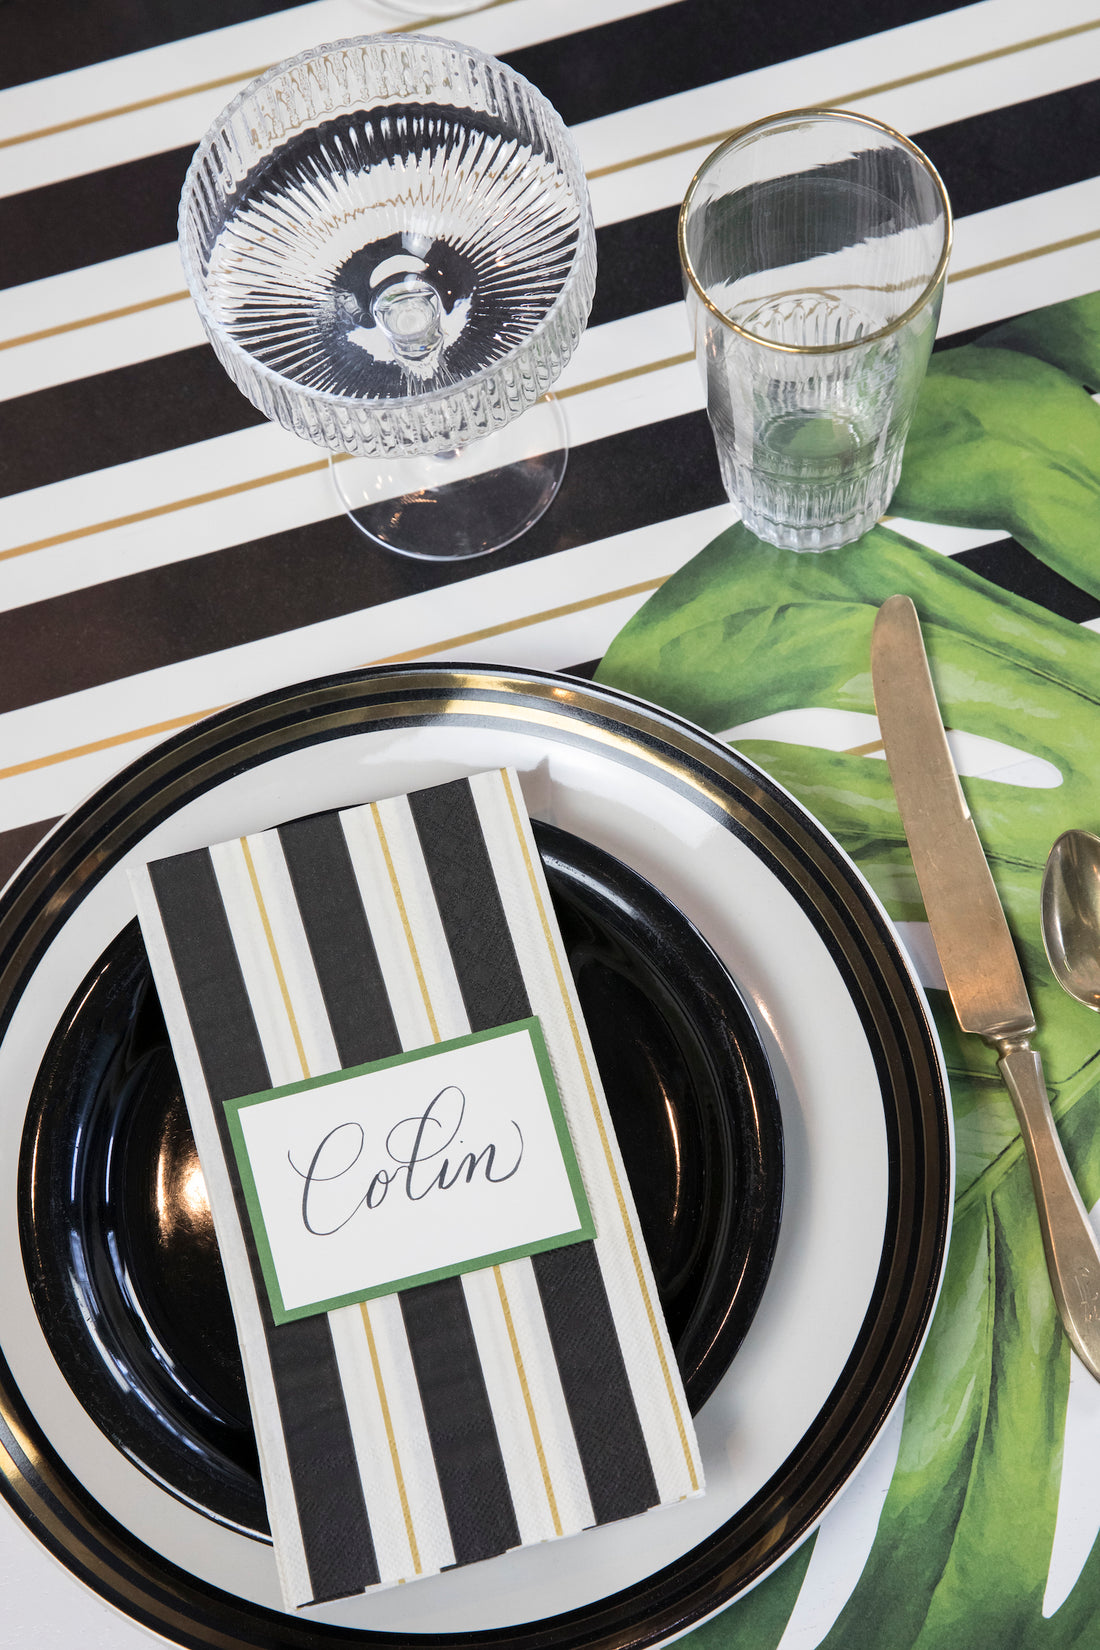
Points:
(1072, 1250)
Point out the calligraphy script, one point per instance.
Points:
(432, 1162)
(415, 1146)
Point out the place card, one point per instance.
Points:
(422, 1166)
(525, 1387)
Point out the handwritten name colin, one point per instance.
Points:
(333, 1183)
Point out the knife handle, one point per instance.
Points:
(1072, 1250)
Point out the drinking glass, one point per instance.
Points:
(814, 248)
(390, 245)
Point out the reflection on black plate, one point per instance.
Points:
(117, 1236)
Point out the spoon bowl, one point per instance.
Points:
(1070, 914)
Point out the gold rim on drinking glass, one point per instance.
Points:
(818, 114)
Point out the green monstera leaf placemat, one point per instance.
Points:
(1006, 437)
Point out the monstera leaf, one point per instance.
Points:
(1011, 441)
(1001, 439)
(1068, 335)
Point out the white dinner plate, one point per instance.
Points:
(866, 1129)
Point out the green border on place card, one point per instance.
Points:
(477, 1263)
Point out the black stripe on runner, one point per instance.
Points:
(153, 406)
(185, 397)
(637, 59)
(1010, 566)
(612, 1448)
(36, 41)
(307, 574)
(593, 72)
(986, 159)
(339, 939)
(582, 1332)
(331, 1512)
(83, 229)
(459, 1418)
(19, 841)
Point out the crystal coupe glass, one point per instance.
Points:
(390, 246)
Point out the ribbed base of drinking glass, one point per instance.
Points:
(807, 514)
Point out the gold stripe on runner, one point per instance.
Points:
(391, 1437)
(705, 141)
(651, 1313)
(174, 506)
(175, 723)
(265, 921)
(627, 372)
(1024, 257)
(157, 101)
(532, 1418)
(243, 76)
(564, 610)
(711, 140)
(94, 320)
(240, 78)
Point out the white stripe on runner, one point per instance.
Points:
(621, 360)
(631, 187)
(678, 132)
(546, 615)
(165, 97)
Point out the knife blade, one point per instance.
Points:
(977, 953)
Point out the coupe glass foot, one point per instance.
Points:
(466, 503)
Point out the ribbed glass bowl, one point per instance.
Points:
(390, 244)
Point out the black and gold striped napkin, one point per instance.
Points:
(458, 1418)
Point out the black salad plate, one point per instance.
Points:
(117, 1238)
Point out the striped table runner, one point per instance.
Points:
(464, 1417)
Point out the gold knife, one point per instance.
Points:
(976, 952)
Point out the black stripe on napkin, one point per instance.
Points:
(609, 1436)
(459, 1418)
(466, 1450)
(331, 1512)
(470, 909)
(339, 939)
(582, 1333)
